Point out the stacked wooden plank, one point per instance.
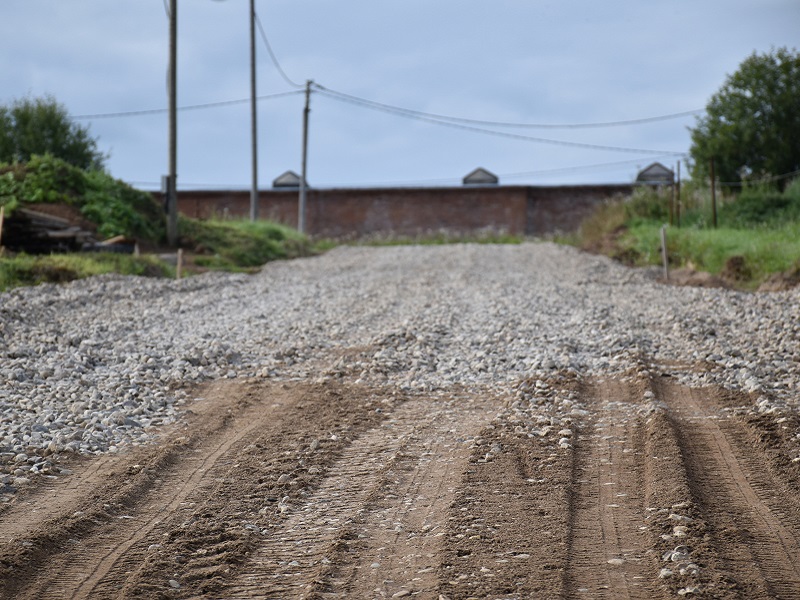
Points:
(35, 232)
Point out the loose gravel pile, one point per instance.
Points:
(90, 366)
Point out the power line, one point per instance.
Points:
(273, 57)
(420, 117)
(618, 163)
(439, 117)
(155, 111)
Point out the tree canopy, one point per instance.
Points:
(38, 126)
(752, 124)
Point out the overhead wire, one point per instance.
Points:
(638, 121)
(421, 117)
(618, 163)
(154, 111)
(272, 56)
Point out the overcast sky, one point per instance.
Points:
(521, 61)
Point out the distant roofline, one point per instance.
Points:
(460, 187)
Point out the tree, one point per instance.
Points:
(42, 126)
(752, 124)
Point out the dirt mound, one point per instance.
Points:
(686, 276)
(779, 282)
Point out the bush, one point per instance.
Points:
(229, 244)
(648, 204)
(114, 206)
(762, 207)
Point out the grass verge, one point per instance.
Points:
(758, 237)
(429, 238)
(759, 253)
(212, 245)
(23, 269)
(239, 244)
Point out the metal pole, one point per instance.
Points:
(253, 122)
(172, 188)
(301, 209)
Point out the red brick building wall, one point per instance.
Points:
(345, 213)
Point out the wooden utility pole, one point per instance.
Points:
(301, 209)
(713, 195)
(672, 205)
(678, 194)
(172, 188)
(253, 117)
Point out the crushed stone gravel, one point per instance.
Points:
(96, 364)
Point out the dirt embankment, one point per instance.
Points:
(338, 490)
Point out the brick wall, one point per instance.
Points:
(345, 213)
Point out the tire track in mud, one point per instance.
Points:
(753, 517)
(17, 519)
(374, 526)
(608, 543)
(133, 540)
(192, 473)
(78, 573)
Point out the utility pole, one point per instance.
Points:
(672, 204)
(301, 209)
(678, 199)
(253, 111)
(172, 188)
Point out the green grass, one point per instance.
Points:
(760, 229)
(240, 244)
(765, 251)
(433, 238)
(25, 270)
(215, 245)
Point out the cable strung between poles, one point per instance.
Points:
(517, 136)
(410, 111)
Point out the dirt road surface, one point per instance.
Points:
(338, 490)
(499, 422)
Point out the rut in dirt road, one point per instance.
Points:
(374, 526)
(176, 518)
(753, 516)
(608, 541)
(112, 539)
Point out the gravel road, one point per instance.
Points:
(540, 340)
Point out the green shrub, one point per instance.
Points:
(112, 205)
(648, 204)
(756, 207)
(239, 243)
